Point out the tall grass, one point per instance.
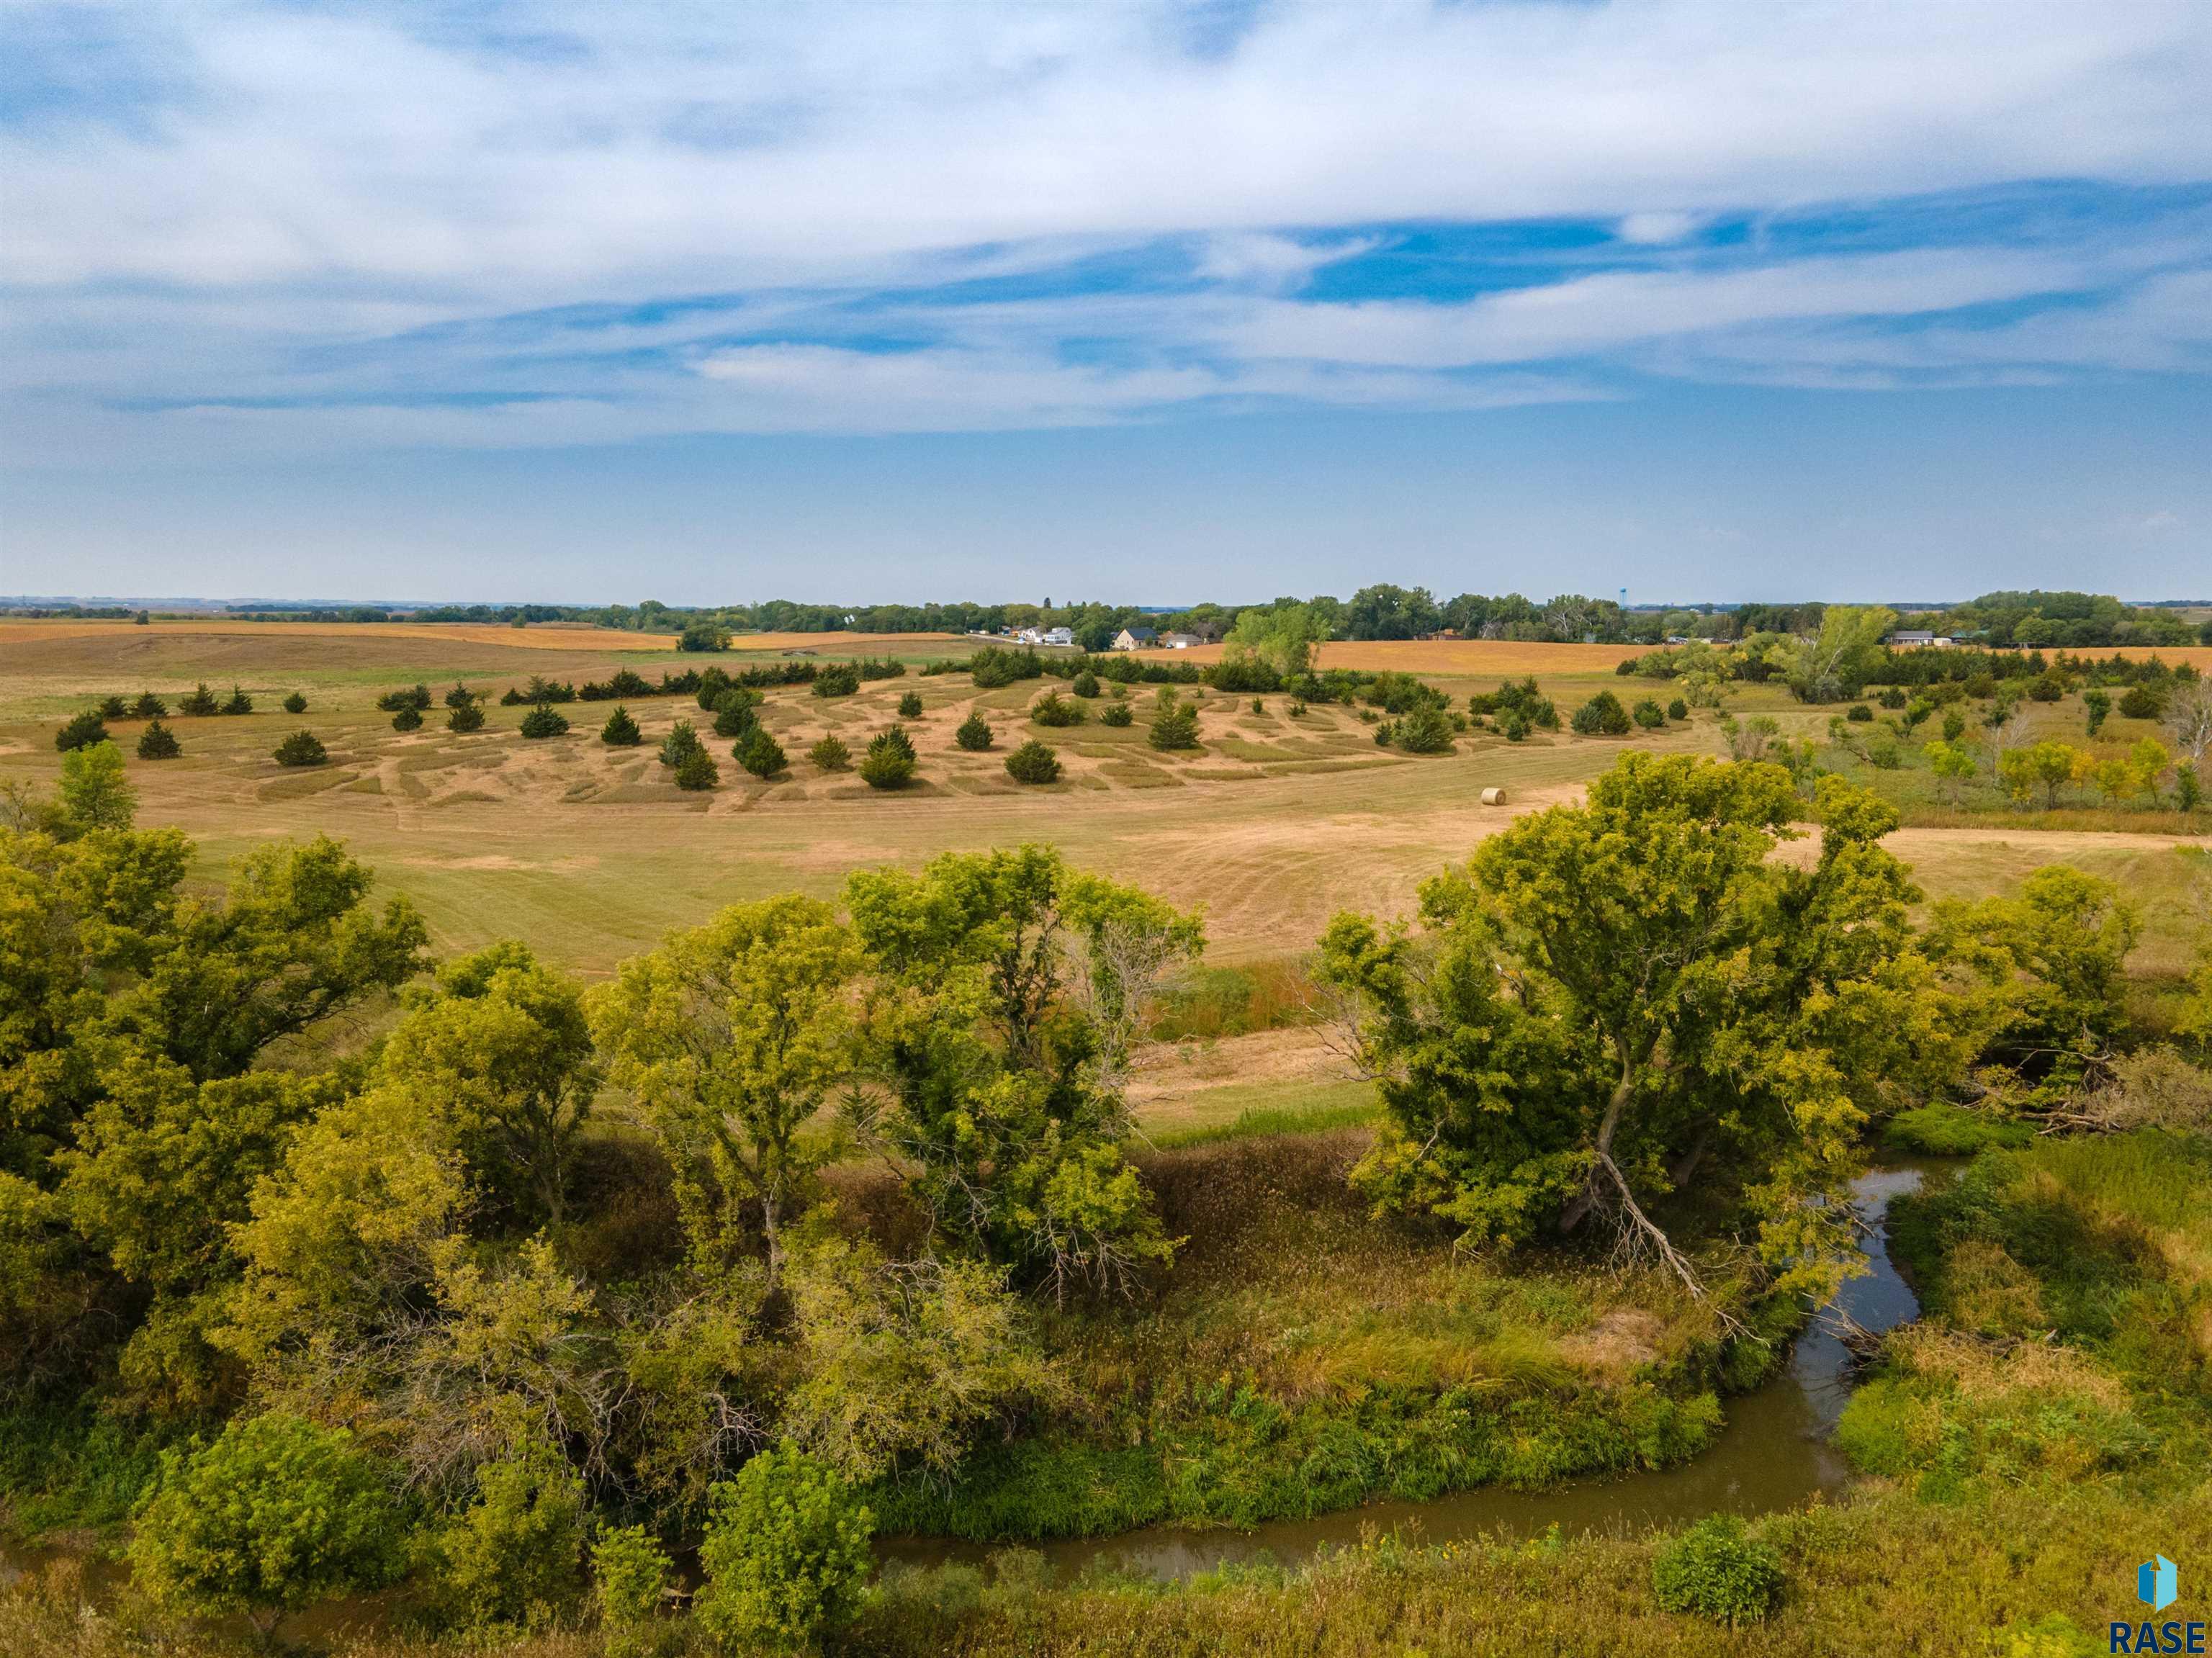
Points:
(1235, 1001)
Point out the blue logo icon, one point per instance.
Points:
(2155, 1583)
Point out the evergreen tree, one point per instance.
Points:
(460, 696)
(239, 703)
(681, 743)
(830, 753)
(759, 753)
(296, 703)
(621, 731)
(697, 770)
(1085, 684)
(542, 722)
(300, 749)
(199, 701)
(149, 707)
(909, 705)
(158, 742)
(468, 717)
(974, 733)
(1175, 726)
(889, 762)
(1033, 763)
(80, 733)
(409, 718)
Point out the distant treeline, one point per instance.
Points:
(2002, 621)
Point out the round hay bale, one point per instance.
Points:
(1493, 796)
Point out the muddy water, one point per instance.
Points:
(1773, 1455)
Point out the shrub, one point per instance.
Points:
(158, 742)
(838, 679)
(830, 753)
(1297, 707)
(697, 770)
(460, 696)
(1717, 1570)
(1053, 709)
(1175, 726)
(276, 1513)
(542, 722)
(1601, 716)
(974, 734)
(680, 743)
(2098, 704)
(149, 707)
(1513, 725)
(1033, 763)
(909, 705)
(889, 762)
(513, 1556)
(409, 718)
(1941, 1129)
(1117, 714)
(1647, 714)
(1894, 698)
(785, 1554)
(113, 708)
(1678, 709)
(82, 732)
(760, 754)
(629, 1571)
(1085, 684)
(199, 701)
(2142, 702)
(992, 667)
(296, 703)
(239, 703)
(1858, 713)
(621, 731)
(416, 696)
(300, 749)
(736, 718)
(1426, 730)
(468, 717)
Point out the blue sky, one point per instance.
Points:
(1145, 302)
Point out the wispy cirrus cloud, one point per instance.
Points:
(281, 226)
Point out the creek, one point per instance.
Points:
(1772, 1455)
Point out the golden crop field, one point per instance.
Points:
(589, 854)
(1473, 659)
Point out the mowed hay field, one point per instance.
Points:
(591, 854)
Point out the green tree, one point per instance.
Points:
(630, 1573)
(1837, 662)
(621, 731)
(785, 1556)
(460, 696)
(696, 770)
(2047, 766)
(733, 1036)
(681, 742)
(1426, 730)
(514, 1556)
(1647, 714)
(1601, 716)
(199, 701)
(907, 1360)
(1117, 714)
(543, 721)
(1953, 767)
(1007, 993)
(238, 702)
(1033, 763)
(974, 733)
(274, 1515)
(301, 749)
(761, 754)
(1282, 636)
(1175, 723)
(1678, 709)
(505, 1046)
(81, 732)
(830, 753)
(1053, 709)
(909, 705)
(703, 636)
(149, 707)
(294, 702)
(1607, 995)
(95, 792)
(409, 718)
(465, 717)
(837, 679)
(736, 711)
(890, 762)
(1084, 684)
(158, 742)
